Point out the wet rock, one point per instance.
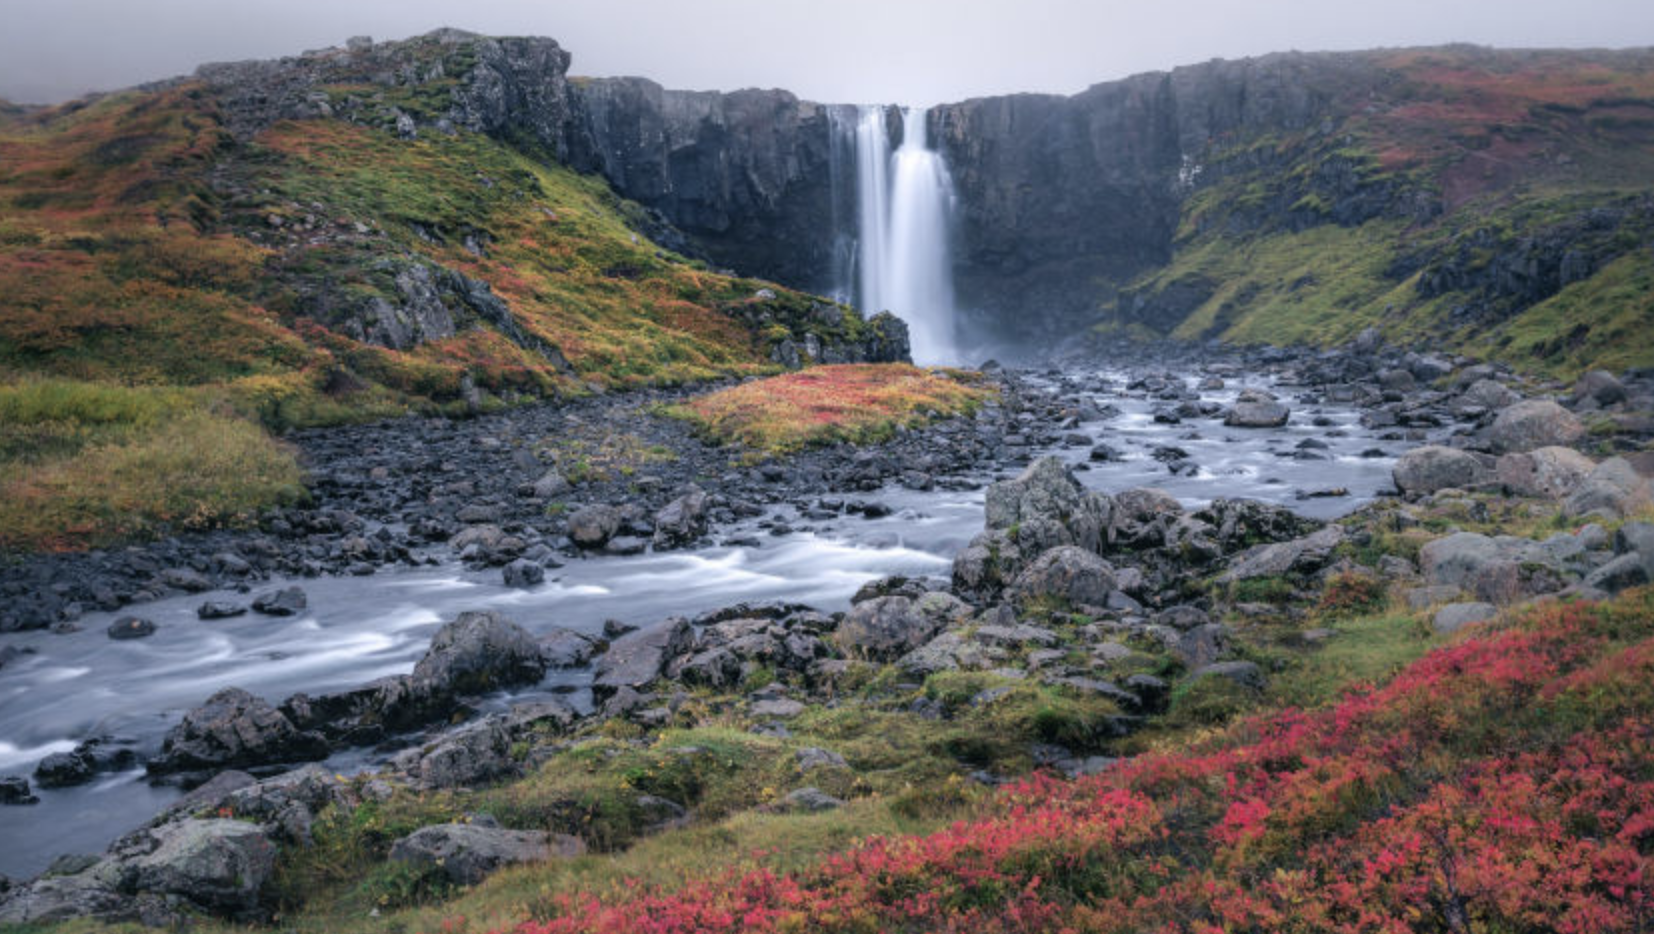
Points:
(523, 573)
(565, 648)
(288, 601)
(131, 627)
(476, 653)
(219, 609)
(1533, 423)
(637, 658)
(593, 526)
(1548, 472)
(1067, 573)
(884, 629)
(234, 729)
(14, 789)
(681, 521)
(1433, 467)
(467, 853)
(1255, 409)
(1456, 616)
(188, 580)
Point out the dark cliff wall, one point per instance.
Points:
(747, 175)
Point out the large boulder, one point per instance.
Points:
(1068, 574)
(478, 753)
(479, 652)
(217, 864)
(1614, 489)
(1047, 507)
(467, 853)
(637, 658)
(885, 628)
(234, 729)
(1548, 472)
(1499, 570)
(1534, 423)
(1141, 516)
(1434, 467)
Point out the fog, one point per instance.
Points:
(905, 51)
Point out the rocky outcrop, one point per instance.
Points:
(234, 729)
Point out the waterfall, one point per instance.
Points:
(904, 200)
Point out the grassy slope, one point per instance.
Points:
(853, 402)
(142, 249)
(1512, 147)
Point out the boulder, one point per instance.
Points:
(1601, 387)
(219, 609)
(131, 627)
(1299, 556)
(808, 800)
(1068, 574)
(217, 864)
(1614, 489)
(14, 789)
(1257, 413)
(1637, 538)
(1533, 423)
(682, 520)
(1433, 467)
(467, 853)
(1045, 506)
(637, 658)
(50, 899)
(1456, 616)
(476, 653)
(1548, 472)
(478, 753)
(1245, 674)
(234, 729)
(593, 526)
(288, 601)
(1488, 394)
(549, 486)
(523, 573)
(1500, 570)
(1623, 571)
(565, 648)
(188, 580)
(885, 628)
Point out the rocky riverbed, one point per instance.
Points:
(1101, 532)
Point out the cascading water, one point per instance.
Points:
(904, 202)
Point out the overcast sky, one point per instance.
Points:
(850, 51)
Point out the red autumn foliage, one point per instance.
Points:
(1503, 783)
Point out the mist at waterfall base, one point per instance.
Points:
(897, 259)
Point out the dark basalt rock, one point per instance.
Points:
(234, 729)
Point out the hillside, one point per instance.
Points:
(324, 266)
(1495, 203)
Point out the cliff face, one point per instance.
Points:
(1134, 203)
(747, 175)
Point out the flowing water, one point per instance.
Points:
(904, 202)
(357, 629)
